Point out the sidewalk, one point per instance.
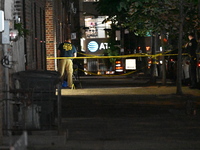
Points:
(148, 90)
(122, 114)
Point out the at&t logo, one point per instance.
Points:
(93, 46)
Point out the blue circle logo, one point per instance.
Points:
(93, 46)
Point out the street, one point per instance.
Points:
(132, 72)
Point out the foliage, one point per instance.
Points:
(22, 31)
(143, 16)
(118, 16)
(112, 8)
(176, 17)
(156, 15)
(112, 50)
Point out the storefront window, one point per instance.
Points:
(95, 28)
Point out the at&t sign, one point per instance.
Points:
(93, 46)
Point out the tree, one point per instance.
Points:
(118, 17)
(176, 17)
(142, 17)
(173, 16)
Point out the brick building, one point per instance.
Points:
(34, 21)
(61, 18)
(48, 23)
(66, 18)
(44, 24)
(28, 52)
(56, 28)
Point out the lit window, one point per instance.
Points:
(95, 28)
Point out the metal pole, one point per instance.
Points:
(59, 108)
(7, 101)
(6, 42)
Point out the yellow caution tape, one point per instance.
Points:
(108, 75)
(88, 56)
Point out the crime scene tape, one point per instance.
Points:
(98, 57)
(108, 75)
(89, 56)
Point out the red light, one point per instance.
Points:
(171, 60)
(198, 65)
(148, 48)
(164, 40)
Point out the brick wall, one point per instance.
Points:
(47, 22)
(50, 42)
(57, 28)
(34, 21)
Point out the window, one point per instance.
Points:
(18, 10)
(95, 28)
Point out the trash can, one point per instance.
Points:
(39, 99)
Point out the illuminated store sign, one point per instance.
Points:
(93, 46)
(130, 64)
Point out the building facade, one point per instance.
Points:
(82, 23)
(1, 85)
(62, 21)
(42, 25)
(57, 28)
(27, 51)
